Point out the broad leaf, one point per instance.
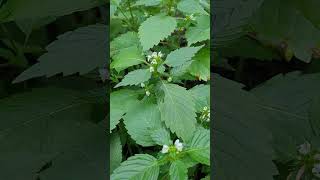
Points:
(161, 136)
(201, 96)
(123, 41)
(141, 120)
(155, 29)
(135, 77)
(120, 102)
(18, 9)
(137, 167)
(178, 171)
(181, 56)
(191, 7)
(79, 51)
(178, 110)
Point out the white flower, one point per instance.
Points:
(169, 79)
(316, 170)
(148, 93)
(178, 145)
(304, 148)
(154, 54)
(160, 54)
(142, 85)
(151, 69)
(205, 108)
(149, 58)
(154, 61)
(165, 149)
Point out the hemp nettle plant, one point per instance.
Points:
(159, 102)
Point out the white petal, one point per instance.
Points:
(165, 149)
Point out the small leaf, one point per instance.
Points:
(137, 167)
(135, 77)
(155, 29)
(200, 146)
(200, 32)
(180, 56)
(123, 41)
(115, 152)
(200, 66)
(127, 58)
(191, 7)
(178, 171)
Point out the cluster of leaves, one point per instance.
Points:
(160, 68)
(53, 128)
(278, 113)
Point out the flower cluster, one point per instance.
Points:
(305, 150)
(205, 114)
(178, 146)
(147, 91)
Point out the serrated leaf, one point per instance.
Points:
(137, 167)
(180, 56)
(115, 152)
(161, 136)
(76, 51)
(155, 29)
(199, 149)
(177, 110)
(200, 66)
(135, 77)
(201, 96)
(120, 102)
(126, 58)
(191, 7)
(17, 9)
(178, 171)
(200, 32)
(123, 41)
(141, 121)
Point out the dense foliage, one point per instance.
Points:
(160, 101)
(266, 101)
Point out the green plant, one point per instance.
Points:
(160, 67)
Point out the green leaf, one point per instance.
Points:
(141, 120)
(180, 56)
(137, 167)
(114, 6)
(199, 149)
(200, 66)
(50, 124)
(177, 110)
(135, 77)
(28, 25)
(155, 29)
(120, 102)
(124, 41)
(115, 152)
(18, 9)
(148, 2)
(200, 32)
(201, 96)
(191, 7)
(161, 136)
(314, 116)
(126, 58)
(71, 53)
(178, 171)
(234, 123)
